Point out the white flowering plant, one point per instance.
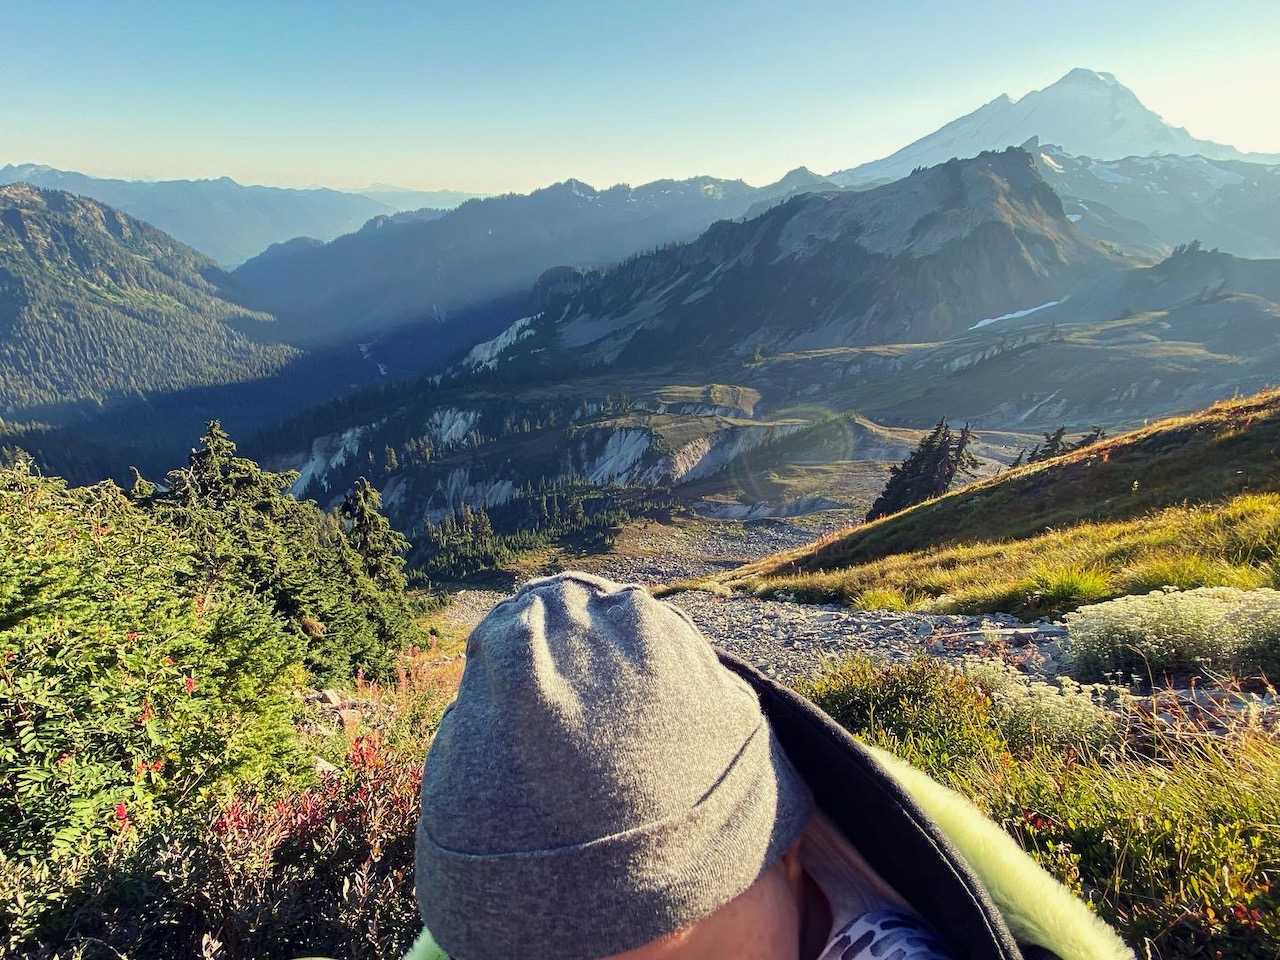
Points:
(1209, 629)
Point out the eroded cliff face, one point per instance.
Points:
(643, 449)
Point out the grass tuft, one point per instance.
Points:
(881, 598)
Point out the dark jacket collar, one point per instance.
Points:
(885, 824)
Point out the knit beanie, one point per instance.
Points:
(601, 780)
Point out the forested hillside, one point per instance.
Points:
(96, 306)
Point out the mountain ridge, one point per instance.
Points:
(484, 249)
(96, 306)
(908, 261)
(1087, 112)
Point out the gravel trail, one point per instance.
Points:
(790, 640)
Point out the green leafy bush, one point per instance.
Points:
(122, 689)
(910, 708)
(1034, 714)
(151, 645)
(1209, 628)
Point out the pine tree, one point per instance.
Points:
(928, 471)
(380, 545)
(1096, 435)
(1055, 444)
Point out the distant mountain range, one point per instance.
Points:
(96, 306)
(1086, 112)
(1156, 203)
(660, 334)
(965, 289)
(402, 198)
(228, 221)
(917, 260)
(414, 268)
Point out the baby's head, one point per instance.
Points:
(604, 787)
(762, 923)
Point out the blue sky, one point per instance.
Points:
(498, 96)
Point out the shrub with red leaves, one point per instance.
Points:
(326, 870)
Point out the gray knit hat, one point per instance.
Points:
(600, 782)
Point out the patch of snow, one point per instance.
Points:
(484, 356)
(1015, 315)
(1051, 163)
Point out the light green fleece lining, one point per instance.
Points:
(1037, 908)
(424, 948)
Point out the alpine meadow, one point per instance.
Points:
(537, 388)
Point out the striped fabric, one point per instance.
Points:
(885, 935)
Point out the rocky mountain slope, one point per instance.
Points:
(1169, 200)
(96, 306)
(1087, 112)
(1143, 342)
(225, 220)
(588, 386)
(918, 260)
(411, 269)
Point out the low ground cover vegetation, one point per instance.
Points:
(1209, 630)
(154, 648)
(1169, 833)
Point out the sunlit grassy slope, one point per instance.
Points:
(1188, 501)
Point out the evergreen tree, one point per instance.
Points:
(1096, 435)
(1054, 444)
(251, 534)
(928, 471)
(380, 545)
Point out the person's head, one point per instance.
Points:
(764, 922)
(604, 788)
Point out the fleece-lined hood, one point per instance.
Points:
(982, 893)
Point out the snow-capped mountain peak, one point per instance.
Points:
(1087, 112)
